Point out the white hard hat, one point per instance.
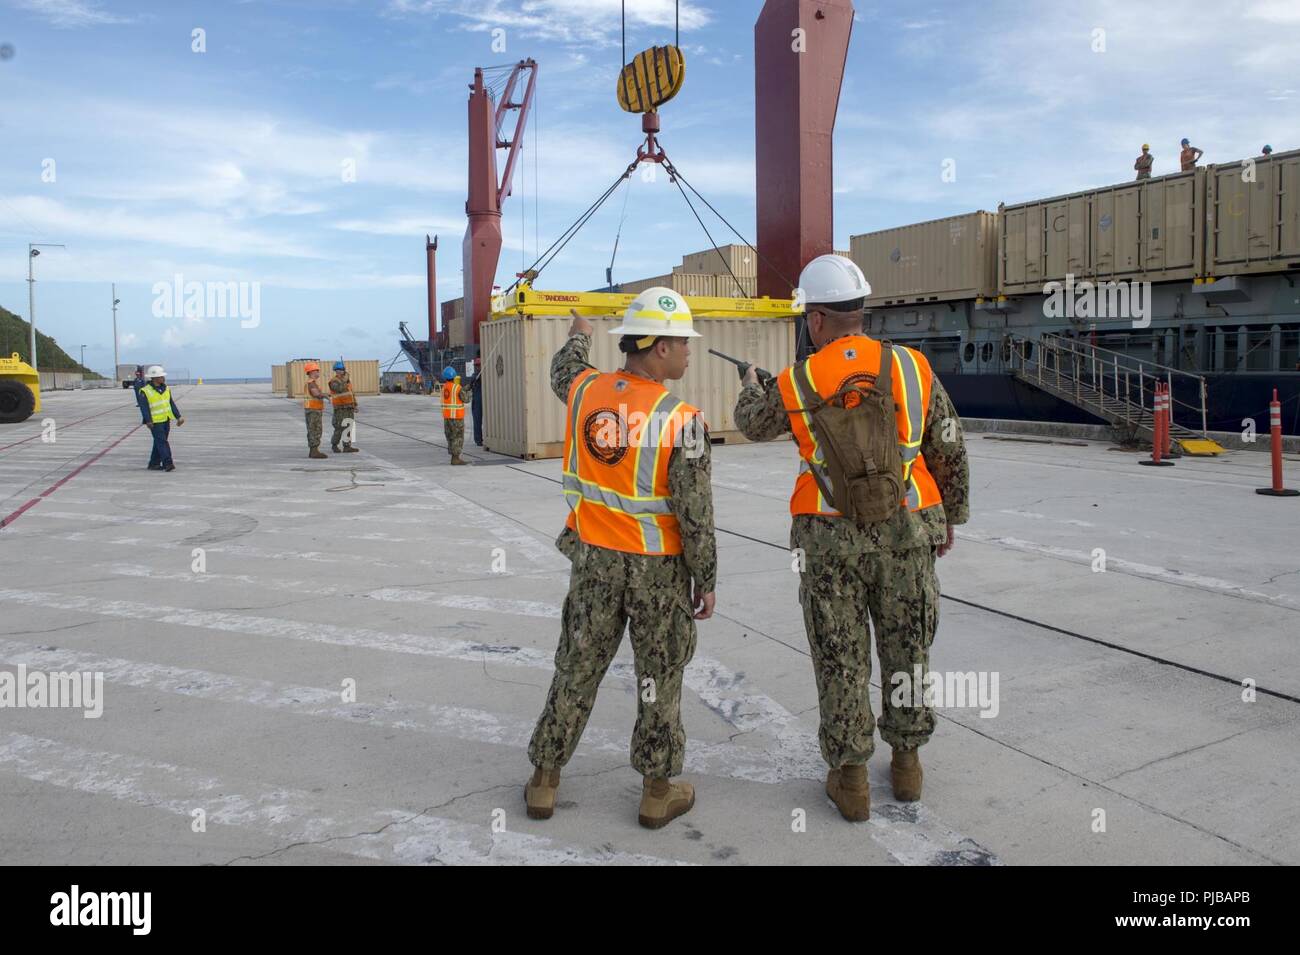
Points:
(155, 371)
(657, 311)
(829, 279)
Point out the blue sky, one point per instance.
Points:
(225, 166)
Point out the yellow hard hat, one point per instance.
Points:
(658, 311)
(1146, 145)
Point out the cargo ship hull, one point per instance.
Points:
(1241, 335)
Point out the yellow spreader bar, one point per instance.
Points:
(526, 300)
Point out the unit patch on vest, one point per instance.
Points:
(850, 353)
(620, 385)
(604, 433)
(861, 381)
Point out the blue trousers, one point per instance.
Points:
(476, 411)
(162, 451)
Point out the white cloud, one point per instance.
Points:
(566, 21)
(403, 225)
(70, 13)
(1274, 11)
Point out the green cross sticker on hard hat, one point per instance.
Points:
(657, 311)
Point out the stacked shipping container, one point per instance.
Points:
(453, 321)
(933, 261)
(1253, 215)
(1212, 222)
(1148, 230)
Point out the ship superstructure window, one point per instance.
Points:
(986, 352)
(968, 353)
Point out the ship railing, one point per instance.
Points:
(1078, 365)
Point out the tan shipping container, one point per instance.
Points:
(932, 261)
(637, 286)
(364, 373)
(742, 259)
(522, 417)
(1253, 215)
(279, 380)
(1145, 230)
(698, 284)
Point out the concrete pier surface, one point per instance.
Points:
(341, 661)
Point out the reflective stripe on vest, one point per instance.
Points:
(345, 398)
(617, 491)
(825, 373)
(160, 404)
(453, 403)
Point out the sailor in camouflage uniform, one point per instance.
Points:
(881, 571)
(344, 402)
(641, 540)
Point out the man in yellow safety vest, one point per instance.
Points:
(159, 410)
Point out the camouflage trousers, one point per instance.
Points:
(314, 429)
(454, 429)
(342, 415)
(898, 592)
(610, 591)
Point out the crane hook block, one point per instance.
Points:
(652, 78)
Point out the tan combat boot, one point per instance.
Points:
(848, 789)
(662, 801)
(350, 449)
(540, 792)
(316, 454)
(905, 773)
(458, 460)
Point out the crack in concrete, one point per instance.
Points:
(1182, 752)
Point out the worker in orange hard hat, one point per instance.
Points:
(314, 406)
(1143, 163)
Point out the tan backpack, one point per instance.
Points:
(858, 434)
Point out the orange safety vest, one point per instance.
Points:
(313, 404)
(345, 398)
(618, 439)
(855, 360)
(453, 402)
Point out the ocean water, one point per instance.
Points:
(236, 381)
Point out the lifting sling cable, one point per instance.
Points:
(725, 263)
(609, 272)
(677, 174)
(558, 245)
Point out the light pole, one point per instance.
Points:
(32, 253)
(83, 359)
(116, 302)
